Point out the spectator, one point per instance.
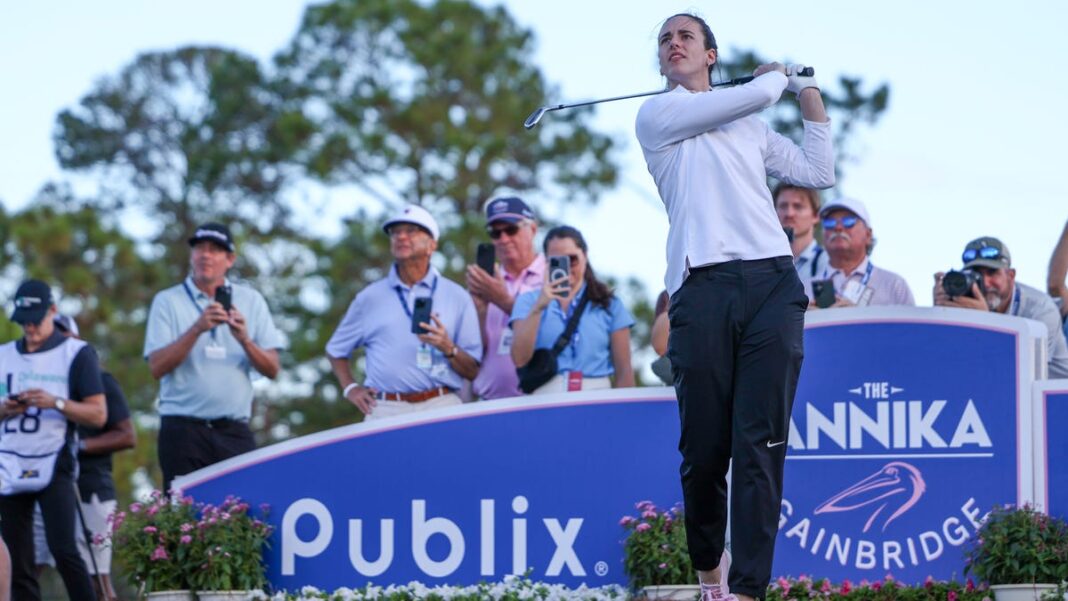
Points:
(798, 208)
(408, 372)
(43, 370)
(95, 484)
(512, 228)
(205, 371)
(847, 236)
(659, 338)
(600, 347)
(1000, 292)
(1058, 272)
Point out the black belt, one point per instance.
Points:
(219, 422)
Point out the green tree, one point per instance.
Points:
(183, 137)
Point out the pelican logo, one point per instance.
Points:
(897, 485)
(500, 206)
(29, 474)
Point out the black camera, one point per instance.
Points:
(959, 283)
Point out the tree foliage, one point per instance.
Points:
(401, 100)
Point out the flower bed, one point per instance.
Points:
(513, 588)
(789, 589)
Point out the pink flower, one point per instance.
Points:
(186, 539)
(875, 586)
(153, 510)
(662, 566)
(649, 514)
(150, 529)
(825, 587)
(642, 527)
(135, 508)
(969, 586)
(929, 582)
(846, 587)
(626, 521)
(784, 584)
(186, 527)
(951, 596)
(643, 505)
(159, 554)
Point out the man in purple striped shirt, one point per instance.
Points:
(847, 236)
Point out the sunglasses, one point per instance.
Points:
(986, 252)
(847, 222)
(495, 233)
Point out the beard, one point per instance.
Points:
(993, 299)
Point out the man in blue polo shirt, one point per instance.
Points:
(204, 357)
(408, 372)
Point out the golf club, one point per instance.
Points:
(536, 116)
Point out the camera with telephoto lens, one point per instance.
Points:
(959, 283)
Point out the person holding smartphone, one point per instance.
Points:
(737, 305)
(418, 328)
(50, 384)
(598, 354)
(511, 227)
(205, 356)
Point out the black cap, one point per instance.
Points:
(986, 252)
(214, 232)
(32, 302)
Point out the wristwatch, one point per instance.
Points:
(60, 404)
(452, 352)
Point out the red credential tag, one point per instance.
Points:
(574, 381)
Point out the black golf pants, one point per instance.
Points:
(736, 349)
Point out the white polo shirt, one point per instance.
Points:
(710, 157)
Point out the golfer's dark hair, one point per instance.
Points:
(710, 40)
(598, 292)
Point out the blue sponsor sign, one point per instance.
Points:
(463, 494)
(1051, 448)
(907, 428)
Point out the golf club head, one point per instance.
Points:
(534, 117)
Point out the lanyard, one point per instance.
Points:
(1015, 302)
(193, 300)
(404, 303)
(816, 260)
(864, 280)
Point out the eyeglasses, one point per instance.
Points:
(404, 228)
(847, 222)
(986, 252)
(495, 233)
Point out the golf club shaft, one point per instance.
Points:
(536, 116)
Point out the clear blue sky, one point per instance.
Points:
(972, 143)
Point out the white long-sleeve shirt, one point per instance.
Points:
(710, 157)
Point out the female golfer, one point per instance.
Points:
(737, 305)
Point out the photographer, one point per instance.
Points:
(988, 283)
(600, 345)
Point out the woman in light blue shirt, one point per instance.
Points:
(598, 354)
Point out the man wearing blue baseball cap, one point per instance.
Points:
(511, 227)
(50, 382)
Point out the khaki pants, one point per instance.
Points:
(390, 408)
(559, 384)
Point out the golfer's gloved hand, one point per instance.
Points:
(796, 83)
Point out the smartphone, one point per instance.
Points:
(11, 394)
(823, 290)
(222, 296)
(421, 314)
(487, 256)
(560, 266)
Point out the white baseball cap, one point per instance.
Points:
(414, 214)
(850, 204)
